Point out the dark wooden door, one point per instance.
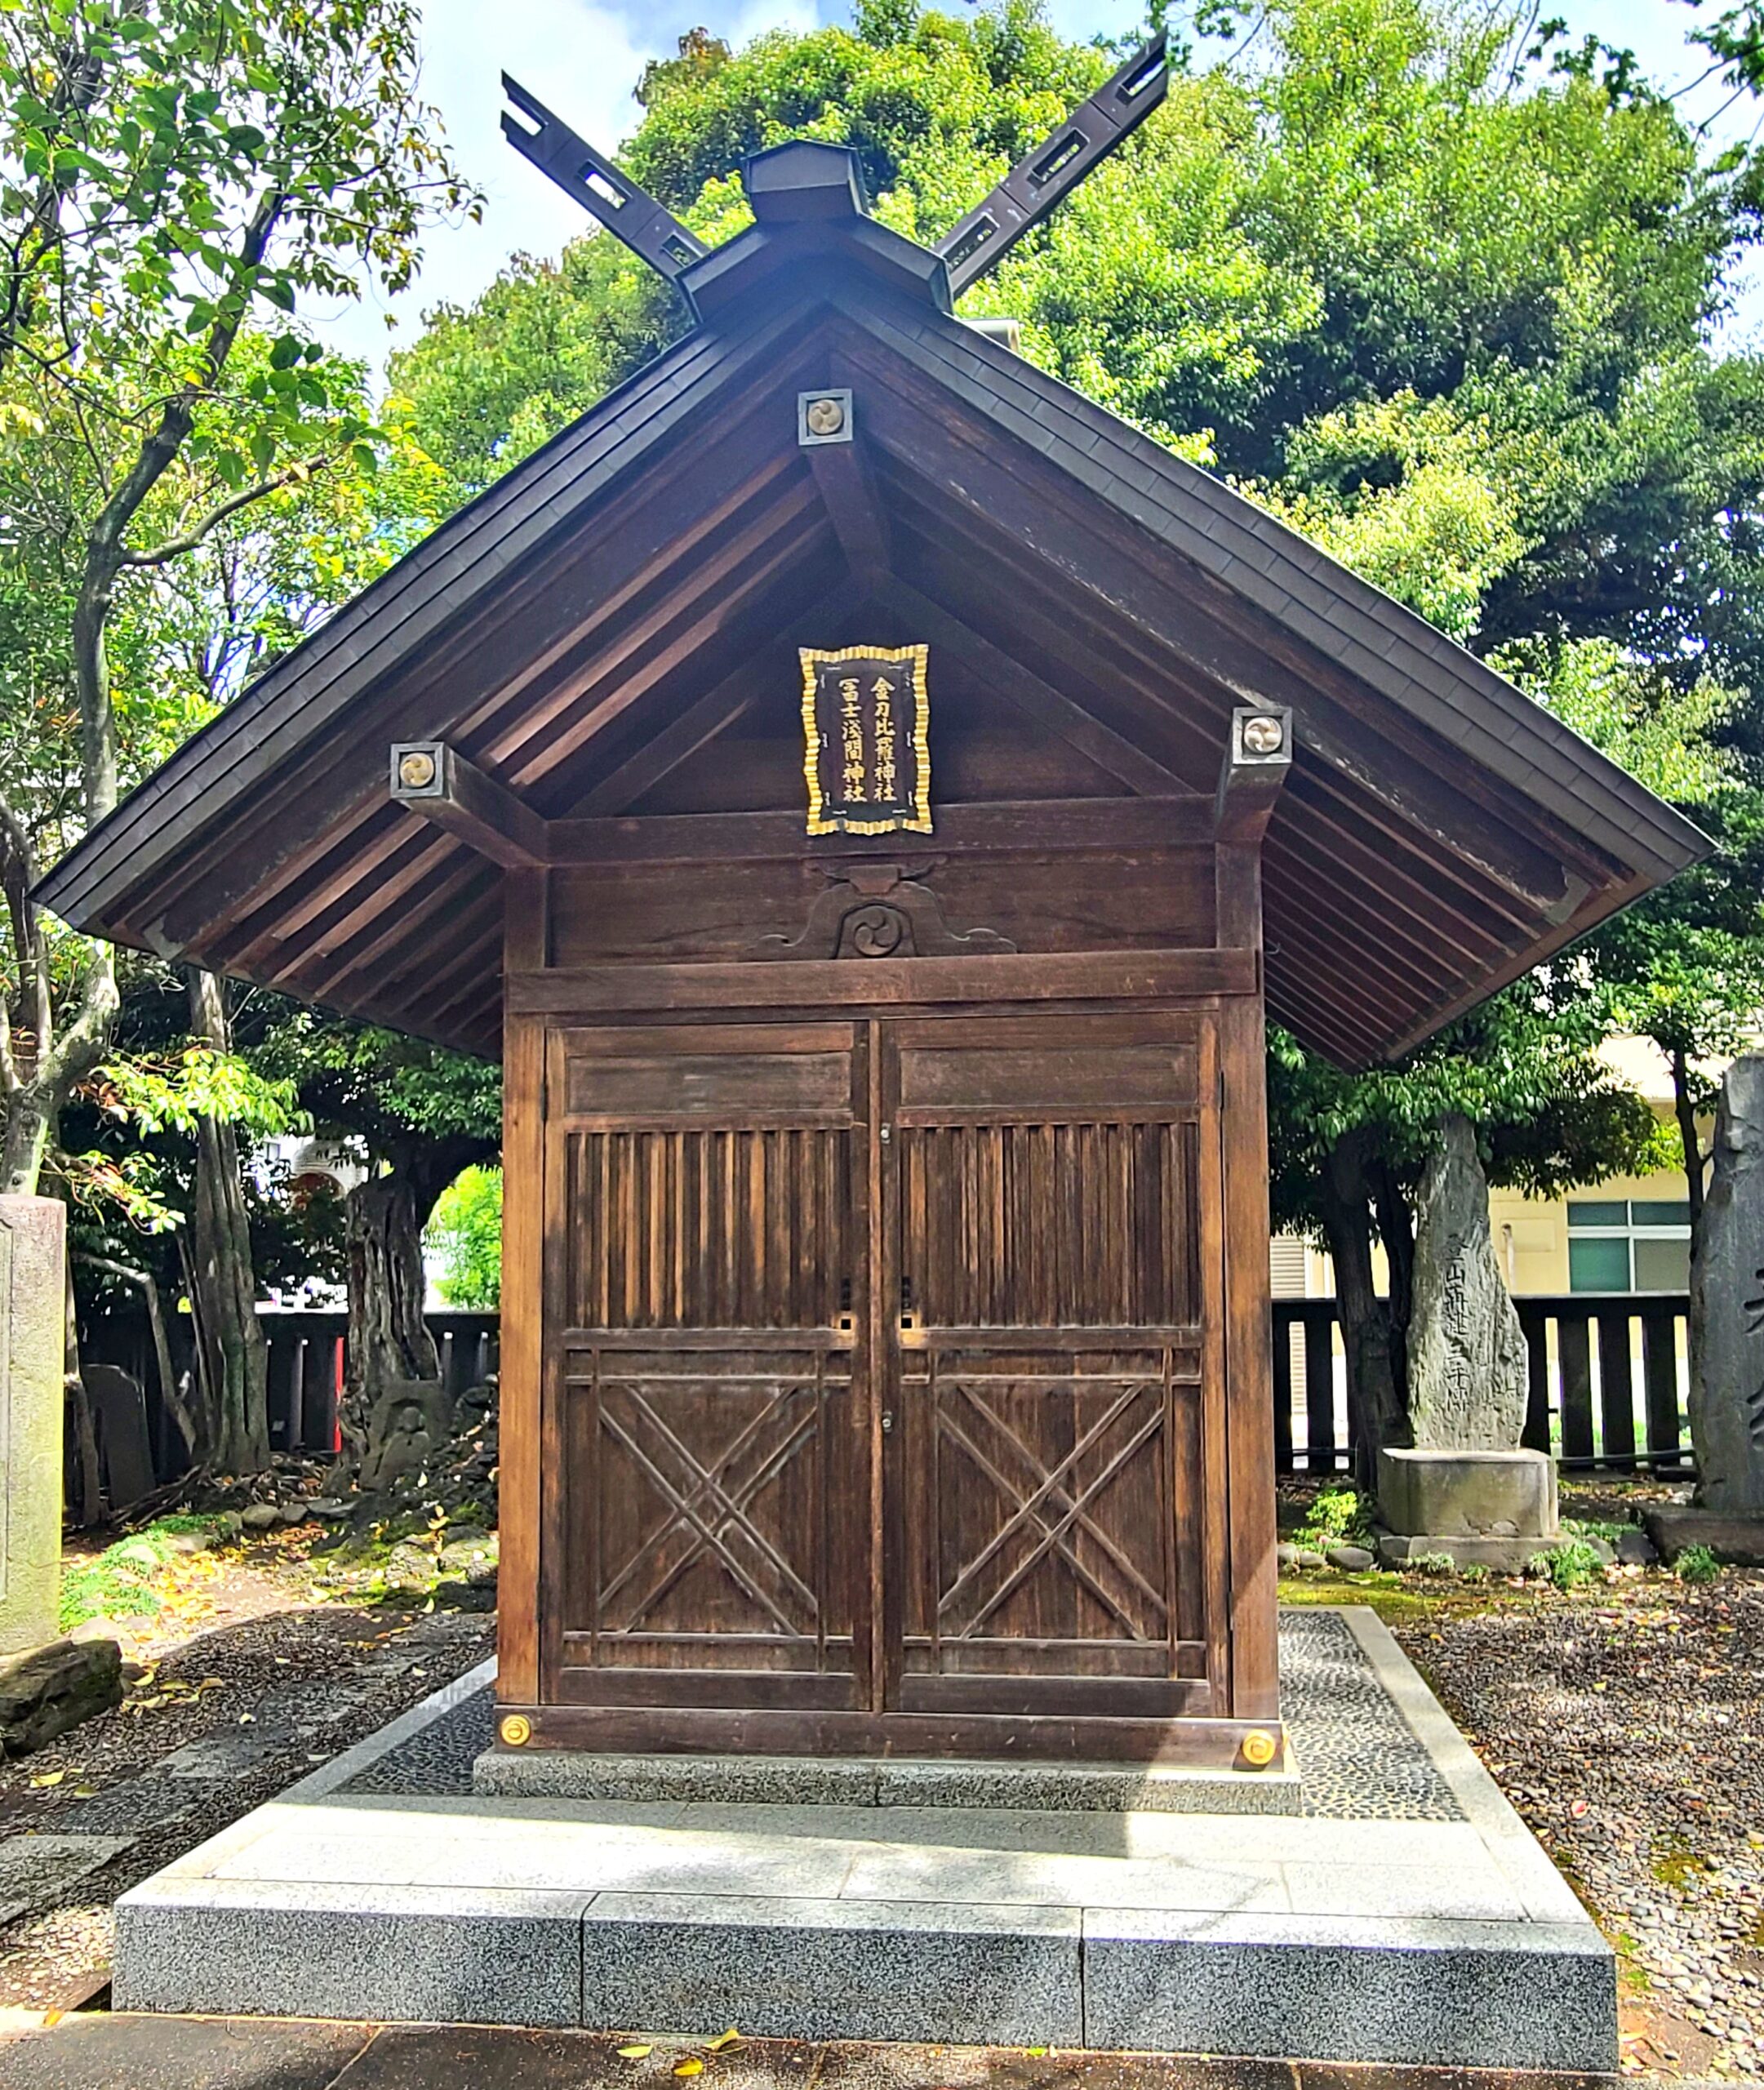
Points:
(707, 1317)
(908, 1322)
(1052, 1183)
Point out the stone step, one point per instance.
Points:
(888, 1782)
(1395, 1919)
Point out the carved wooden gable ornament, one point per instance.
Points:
(865, 723)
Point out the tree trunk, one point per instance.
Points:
(389, 1346)
(29, 1123)
(1684, 1109)
(233, 1359)
(1377, 1408)
(1397, 1230)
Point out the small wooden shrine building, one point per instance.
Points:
(885, 1357)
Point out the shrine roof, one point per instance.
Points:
(609, 631)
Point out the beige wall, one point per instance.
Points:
(1531, 1235)
(1530, 1238)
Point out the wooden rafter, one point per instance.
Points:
(436, 780)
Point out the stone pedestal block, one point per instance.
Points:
(1728, 1304)
(1740, 1540)
(1495, 1507)
(32, 1338)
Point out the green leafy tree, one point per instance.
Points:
(464, 1236)
(170, 177)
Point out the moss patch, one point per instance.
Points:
(124, 1581)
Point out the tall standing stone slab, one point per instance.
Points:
(1467, 1353)
(32, 1331)
(1465, 1488)
(1728, 1304)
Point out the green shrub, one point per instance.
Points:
(1569, 1564)
(1432, 1563)
(1339, 1516)
(1473, 1571)
(1696, 1563)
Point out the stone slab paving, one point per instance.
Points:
(105, 2053)
(1413, 1923)
(36, 1868)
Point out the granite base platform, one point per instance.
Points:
(888, 1782)
(1403, 1916)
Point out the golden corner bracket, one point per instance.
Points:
(866, 722)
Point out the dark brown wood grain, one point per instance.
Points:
(896, 1375)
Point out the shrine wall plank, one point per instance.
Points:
(1138, 900)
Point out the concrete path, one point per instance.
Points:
(100, 2051)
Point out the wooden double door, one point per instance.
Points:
(882, 1360)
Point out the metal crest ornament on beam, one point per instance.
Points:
(651, 231)
(979, 242)
(436, 780)
(866, 722)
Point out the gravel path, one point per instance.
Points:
(1626, 1724)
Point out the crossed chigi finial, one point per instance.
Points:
(977, 243)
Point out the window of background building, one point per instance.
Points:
(1629, 1244)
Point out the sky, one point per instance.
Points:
(582, 58)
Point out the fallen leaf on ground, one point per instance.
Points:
(635, 2053)
(691, 2065)
(48, 1778)
(729, 2038)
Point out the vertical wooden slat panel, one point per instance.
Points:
(1320, 1392)
(1616, 1388)
(1659, 1377)
(1536, 1326)
(1574, 1348)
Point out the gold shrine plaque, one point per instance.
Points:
(865, 724)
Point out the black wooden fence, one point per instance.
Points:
(1609, 1380)
(306, 1368)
